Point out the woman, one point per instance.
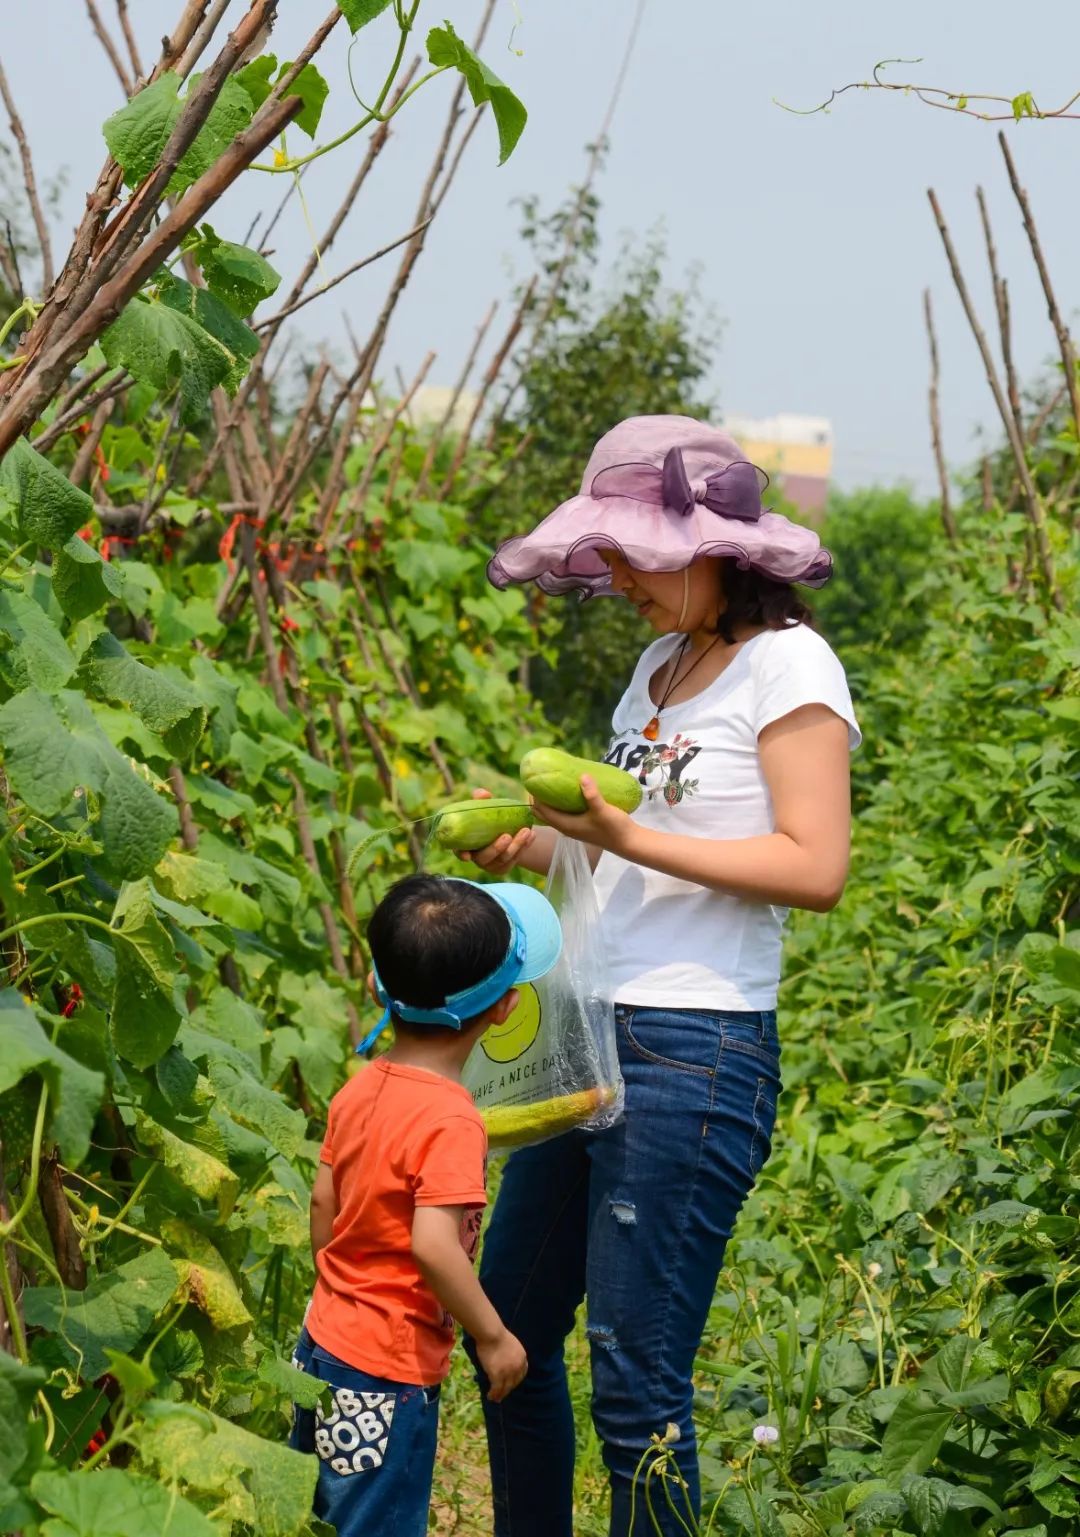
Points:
(739, 724)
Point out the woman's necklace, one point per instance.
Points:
(652, 730)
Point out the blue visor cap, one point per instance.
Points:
(535, 946)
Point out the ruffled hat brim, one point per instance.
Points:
(562, 553)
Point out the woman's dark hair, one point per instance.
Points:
(431, 936)
(755, 599)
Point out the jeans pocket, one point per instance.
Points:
(685, 1039)
(764, 1115)
(751, 1033)
(355, 1435)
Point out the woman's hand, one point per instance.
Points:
(500, 857)
(600, 824)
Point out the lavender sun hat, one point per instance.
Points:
(663, 491)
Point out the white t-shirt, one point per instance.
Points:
(670, 943)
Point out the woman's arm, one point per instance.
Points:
(804, 757)
(323, 1209)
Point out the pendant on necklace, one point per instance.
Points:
(652, 730)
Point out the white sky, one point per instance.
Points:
(812, 236)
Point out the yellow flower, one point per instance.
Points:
(463, 625)
(425, 686)
(280, 158)
(478, 651)
(400, 850)
(161, 472)
(401, 768)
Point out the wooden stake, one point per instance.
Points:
(30, 183)
(1032, 504)
(1061, 330)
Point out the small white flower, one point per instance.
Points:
(672, 1433)
(766, 1435)
(873, 1270)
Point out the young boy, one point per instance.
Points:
(397, 1202)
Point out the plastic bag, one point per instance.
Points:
(554, 1064)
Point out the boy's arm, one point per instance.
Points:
(323, 1209)
(444, 1265)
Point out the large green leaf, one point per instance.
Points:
(145, 1018)
(195, 1168)
(359, 12)
(294, 1386)
(75, 1091)
(256, 78)
(82, 581)
(931, 1499)
(236, 909)
(312, 90)
(19, 1386)
(115, 1311)
(218, 320)
(107, 670)
(210, 1283)
(914, 1434)
(227, 1018)
(187, 878)
(236, 274)
(258, 1108)
(49, 507)
(54, 747)
(269, 1487)
(137, 826)
(427, 567)
(139, 132)
(1065, 965)
(162, 347)
(35, 654)
(114, 1503)
(446, 48)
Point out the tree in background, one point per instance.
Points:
(882, 542)
(632, 348)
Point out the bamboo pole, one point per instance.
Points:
(1032, 504)
(1061, 330)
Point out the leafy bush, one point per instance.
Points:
(902, 1300)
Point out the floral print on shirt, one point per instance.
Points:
(659, 766)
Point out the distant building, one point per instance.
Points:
(431, 402)
(794, 451)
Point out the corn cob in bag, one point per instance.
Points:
(553, 1065)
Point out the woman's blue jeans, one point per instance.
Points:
(636, 1219)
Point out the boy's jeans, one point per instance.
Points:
(376, 1448)
(637, 1218)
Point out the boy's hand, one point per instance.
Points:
(505, 1364)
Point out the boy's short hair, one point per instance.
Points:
(431, 937)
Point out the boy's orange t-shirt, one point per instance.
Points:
(396, 1138)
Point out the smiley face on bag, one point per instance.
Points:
(512, 1039)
